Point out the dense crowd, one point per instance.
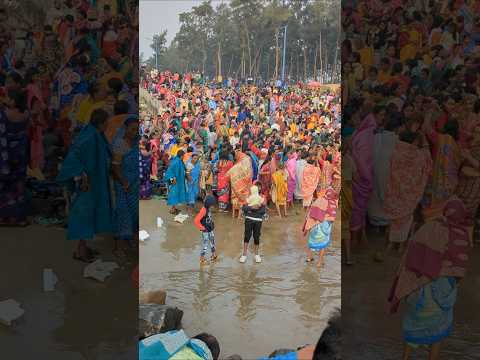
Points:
(63, 87)
(240, 144)
(411, 154)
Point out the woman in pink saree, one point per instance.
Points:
(362, 182)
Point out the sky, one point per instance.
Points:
(158, 15)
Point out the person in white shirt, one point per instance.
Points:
(235, 139)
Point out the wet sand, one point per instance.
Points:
(82, 319)
(251, 308)
(371, 333)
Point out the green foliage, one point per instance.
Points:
(240, 38)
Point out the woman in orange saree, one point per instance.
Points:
(311, 178)
(240, 177)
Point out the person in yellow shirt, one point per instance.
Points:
(409, 51)
(366, 55)
(176, 148)
(293, 128)
(96, 99)
(279, 191)
(384, 74)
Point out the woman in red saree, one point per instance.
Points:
(155, 150)
(265, 177)
(223, 183)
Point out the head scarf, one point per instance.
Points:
(254, 199)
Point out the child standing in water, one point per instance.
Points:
(204, 222)
(254, 212)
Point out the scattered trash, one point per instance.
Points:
(159, 222)
(180, 218)
(99, 270)
(143, 235)
(10, 310)
(49, 280)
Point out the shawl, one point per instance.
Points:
(410, 168)
(240, 176)
(323, 209)
(439, 248)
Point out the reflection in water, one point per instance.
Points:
(253, 309)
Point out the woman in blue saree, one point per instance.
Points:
(145, 170)
(193, 181)
(126, 182)
(176, 180)
(85, 172)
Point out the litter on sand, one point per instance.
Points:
(10, 310)
(180, 218)
(159, 222)
(49, 280)
(143, 235)
(100, 270)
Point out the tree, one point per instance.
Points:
(158, 46)
(245, 38)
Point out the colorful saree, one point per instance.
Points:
(311, 178)
(320, 217)
(280, 187)
(291, 166)
(240, 176)
(444, 179)
(362, 182)
(223, 185)
(265, 179)
(409, 171)
(436, 256)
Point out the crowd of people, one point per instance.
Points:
(252, 151)
(410, 142)
(69, 119)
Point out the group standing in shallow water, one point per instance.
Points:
(247, 147)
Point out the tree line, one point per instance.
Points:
(245, 38)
